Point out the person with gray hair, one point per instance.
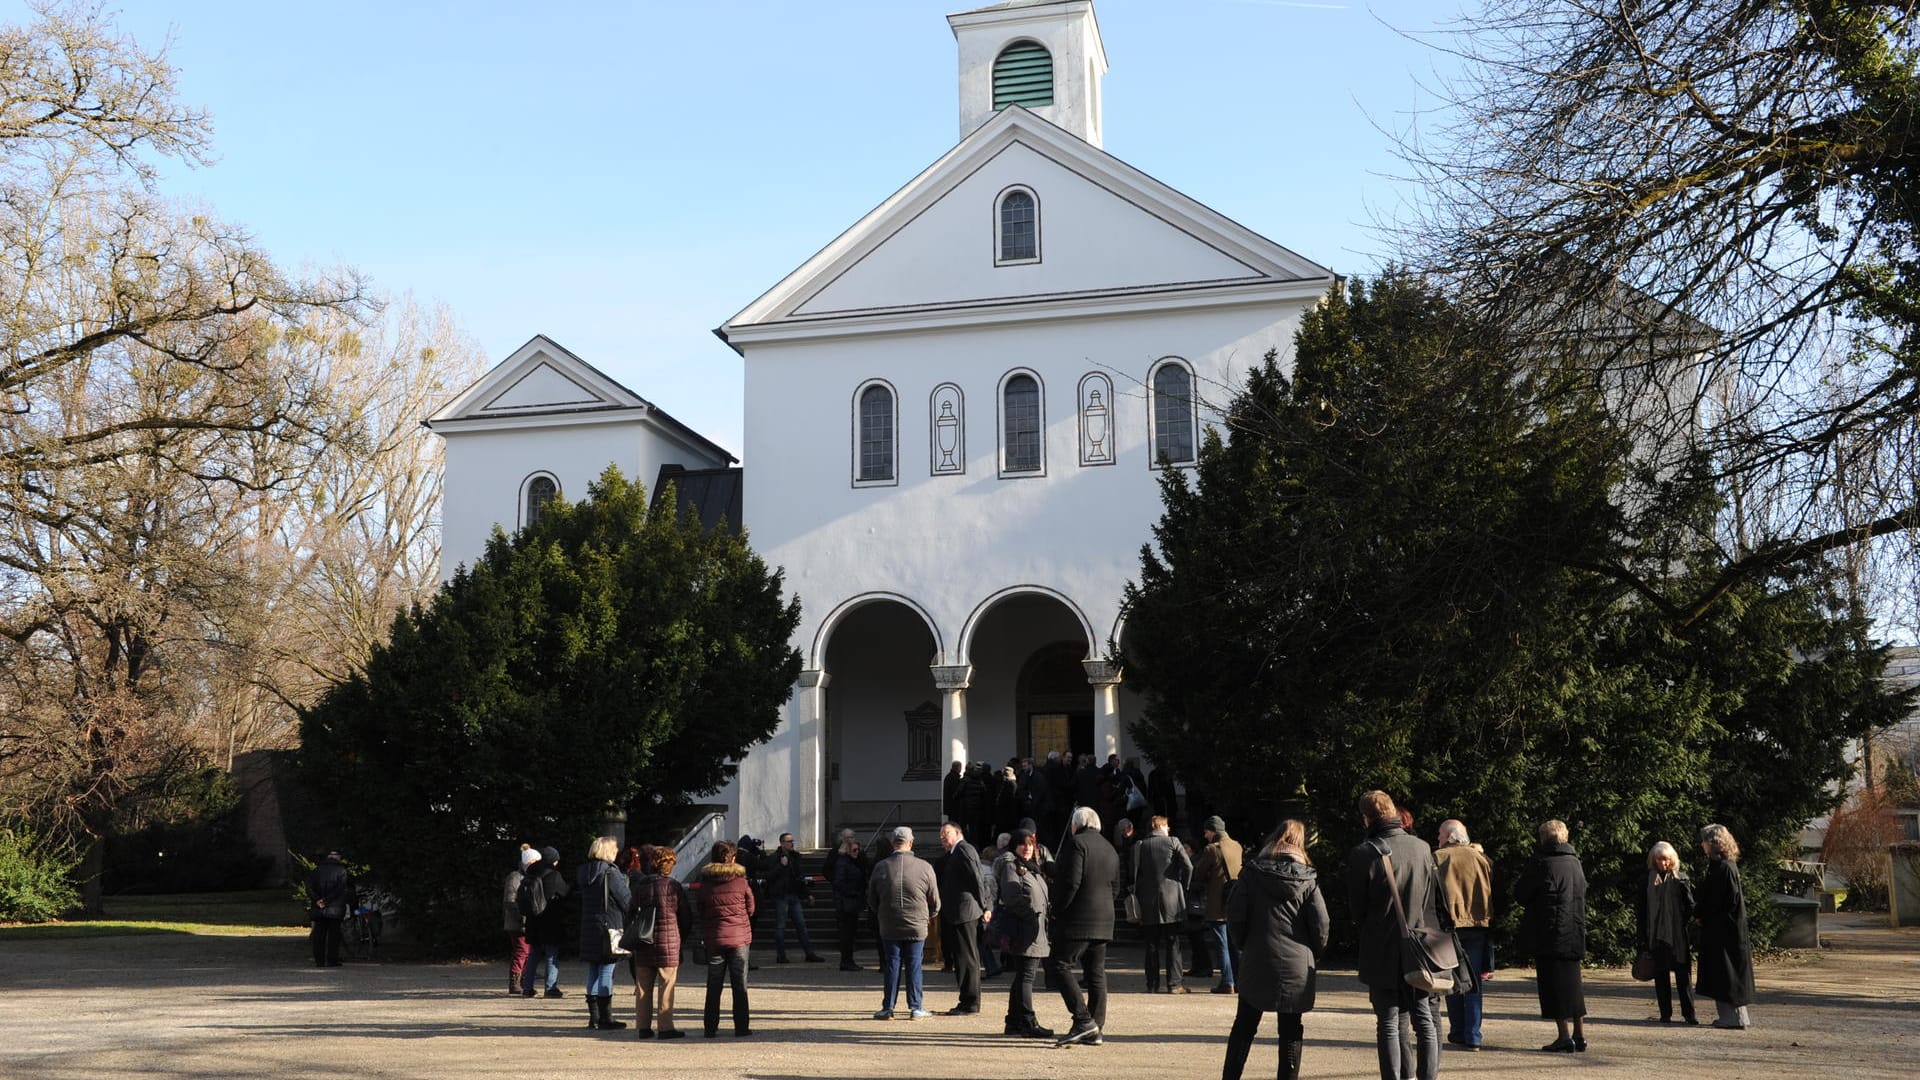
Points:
(904, 894)
(1553, 888)
(1082, 897)
(1662, 908)
(1726, 953)
(1466, 889)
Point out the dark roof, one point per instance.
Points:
(714, 493)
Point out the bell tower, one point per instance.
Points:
(1043, 55)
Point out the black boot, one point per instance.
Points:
(607, 1022)
(1290, 1059)
(593, 1012)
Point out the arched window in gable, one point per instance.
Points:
(1175, 418)
(875, 447)
(1017, 233)
(537, 493)
(1023, 446)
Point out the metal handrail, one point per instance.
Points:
(700, 832)
(892, 815)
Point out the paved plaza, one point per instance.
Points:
(247, 1007)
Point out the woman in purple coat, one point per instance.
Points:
(656, 967)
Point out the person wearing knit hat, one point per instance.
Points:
(547, 929)
(516, 923)
(1216, 868)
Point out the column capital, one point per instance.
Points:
(814, 678)
(951, 676)
(1101, 672)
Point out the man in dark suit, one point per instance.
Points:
(1083, 890)
(963, 899)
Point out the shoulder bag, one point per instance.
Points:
(640, 925)
(1427, 956)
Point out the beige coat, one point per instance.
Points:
(1217, 865)
(1466, 882)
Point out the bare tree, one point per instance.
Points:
(1743, 161)
(148, 378)
(358, 541)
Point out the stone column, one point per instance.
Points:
(952, 681)
(810, 758)
(1104, 676)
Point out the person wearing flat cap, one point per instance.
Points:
(904, 894)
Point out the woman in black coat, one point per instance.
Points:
(1726, 954)
(1277, 918)
(1662, 908)
(1553, 888)
(849, 882)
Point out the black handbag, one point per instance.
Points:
(1428, 956)
(640, 926)
(1643, 966)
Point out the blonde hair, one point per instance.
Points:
(604, 848)
(1662, 849)
(1553, 832)
(1720, 840)
(1290, 839)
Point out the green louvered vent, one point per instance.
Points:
(1023, 75)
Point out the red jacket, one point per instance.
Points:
(726, 906)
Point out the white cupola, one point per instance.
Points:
(1043, 55)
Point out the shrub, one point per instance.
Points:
(34, 881)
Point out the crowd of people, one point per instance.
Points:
(1258, 918)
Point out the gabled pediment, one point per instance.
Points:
(539, 378)
(1106, 229)
(542, 384)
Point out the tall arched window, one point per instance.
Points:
(1022, 426)
(1023, 76)
(1173, 414)
(1018, 237)
(874, 450)
(541, 490)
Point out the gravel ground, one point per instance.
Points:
(187, 1006)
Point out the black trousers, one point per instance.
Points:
(1091, 958)
(849, 926)
(1246, 1024)
(962, 942)
(1667, 966)
(325, 937)
(727, 965)
(1163, 956)
(1020, 991)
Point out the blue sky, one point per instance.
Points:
(624, 177)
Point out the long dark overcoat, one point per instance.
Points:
(1417, 880)
(1726, 955)
(1083, 888)
(1553, 888)
(1161, 873)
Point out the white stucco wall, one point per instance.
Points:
(486, 471)
(1090, 238)
(949, 543)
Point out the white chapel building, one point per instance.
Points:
(1019, 339)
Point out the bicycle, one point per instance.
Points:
(362, 933)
